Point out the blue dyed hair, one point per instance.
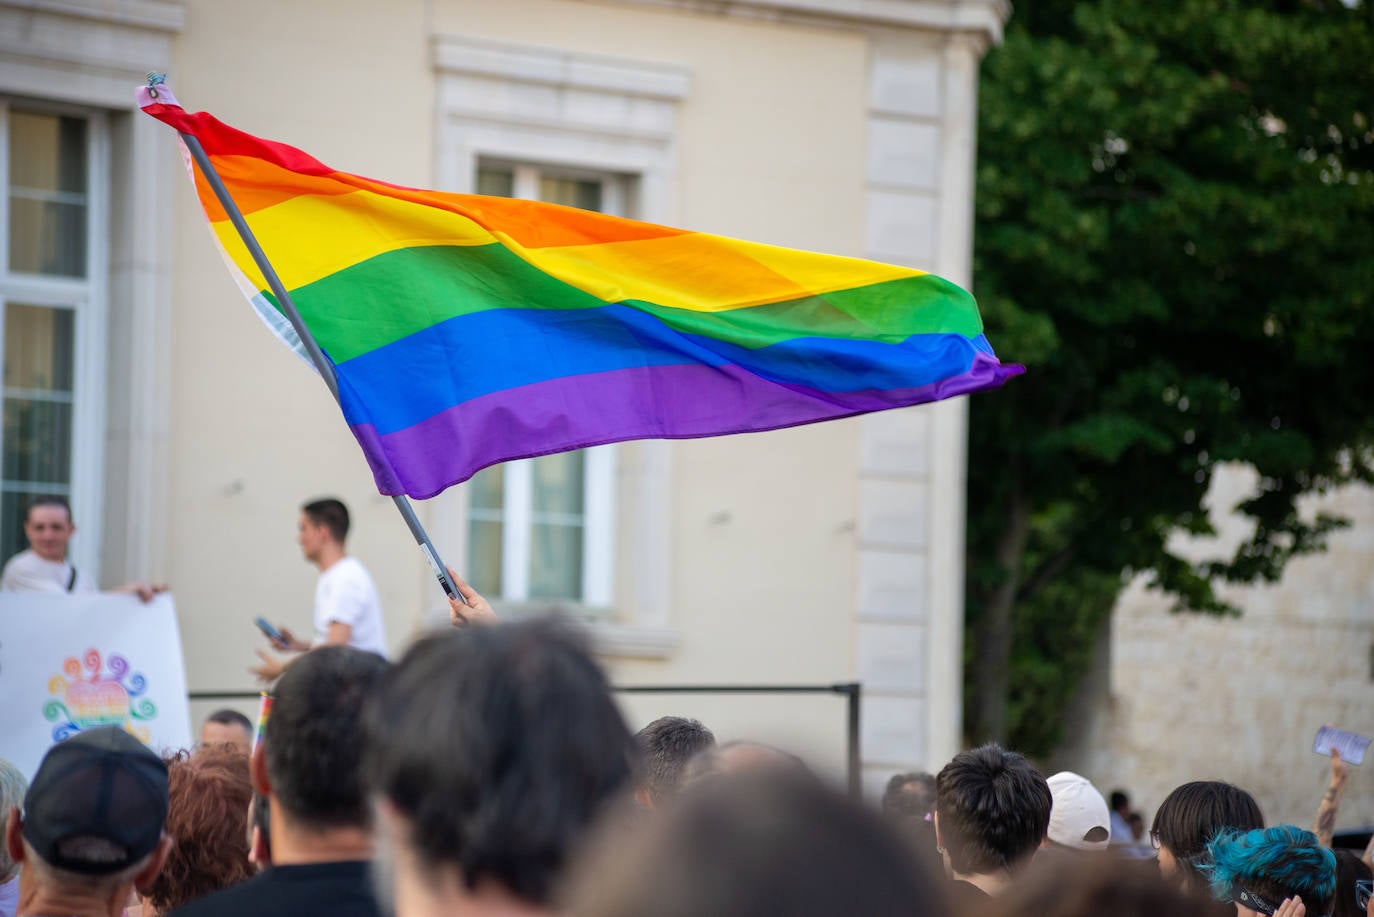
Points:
(1273, 863)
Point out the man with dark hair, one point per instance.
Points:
(907, 805)
(668, 743)
(489, 752)
(92, 826)
(348, 611)
(909, 796)
(43, 566)
(309, 768)
(227, 727)
(992, 811)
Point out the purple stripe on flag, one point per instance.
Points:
(653, 402)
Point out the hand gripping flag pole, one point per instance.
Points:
(312, 348)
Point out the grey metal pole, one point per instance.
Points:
(311, 347)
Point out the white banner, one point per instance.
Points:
(69, 663)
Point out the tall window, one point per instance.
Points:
(49, 286)
(542, 529)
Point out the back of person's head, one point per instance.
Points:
(736, 757)
(909, 796)
(314, 739)
(207, 817)
(1193, 814)
(993, 810)
(497, 746)
(227, 717)
(1063, 885)
(1350, 870)
(754, 844)
(1120, 802)
(330, 513)
(668, 743)
(907, 804)
(95, 813)
(1079, 818)
(13, 786)
(1259, 869)
(227, 727)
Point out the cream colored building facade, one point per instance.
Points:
(822, 554)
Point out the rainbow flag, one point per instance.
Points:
(469, 330)
(264, 714)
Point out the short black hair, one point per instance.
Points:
(262, 820)
(227, 717)
(668, 743)
(1349, 870)
(330, 513)
(994, 809)
(909, 795)
(499, 745)
(314, 736)
(1119, 800)
(755, 843)
(1195, 813)
(48, 500)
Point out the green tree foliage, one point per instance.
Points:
(1175, 232)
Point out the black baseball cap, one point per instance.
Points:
(102, 783)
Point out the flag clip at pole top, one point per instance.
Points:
(156, 91)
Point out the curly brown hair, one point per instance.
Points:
(207, 818)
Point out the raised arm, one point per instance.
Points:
(1324, 825)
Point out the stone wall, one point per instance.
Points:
(1181, 697)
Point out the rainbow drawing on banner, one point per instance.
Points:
(98, 698)
(467, 330)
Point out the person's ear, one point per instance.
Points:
(144, 880)
(257, 768)
(939, 840)
(14, 837)
(644, 799)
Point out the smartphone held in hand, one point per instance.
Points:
(268, 630)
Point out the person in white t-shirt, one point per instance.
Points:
(347, 609)
(44, 567)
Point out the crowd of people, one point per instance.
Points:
(490, 772)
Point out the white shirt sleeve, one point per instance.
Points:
(345, 601)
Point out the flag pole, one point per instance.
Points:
(311, 346)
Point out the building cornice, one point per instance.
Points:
(162, 15)
(981, 18)
(556, 67)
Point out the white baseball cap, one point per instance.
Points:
(1079, 817)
